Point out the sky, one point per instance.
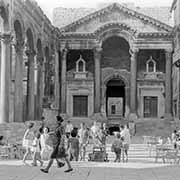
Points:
(48, 5)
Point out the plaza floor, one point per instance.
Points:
(14, 170)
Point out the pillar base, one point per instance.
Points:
(132, 117)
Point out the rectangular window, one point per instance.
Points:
(150, 106)
(80, 106)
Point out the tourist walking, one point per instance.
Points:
(73, 146)
(94, 133)
(45, 148)
(117, 146)
(27, 141)
(68, 129)
(127, 139)
(36, 150)
(58, 149)
(83, 135)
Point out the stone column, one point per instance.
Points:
(5, 78)
(39, 86)
(57, 79)
(97, 80)
(168, 85)
(30, 85)
(63, 81)
(127, 101)
(133, 86)
(18, 97)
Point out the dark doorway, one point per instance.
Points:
(150, 106)
(115, 98)
(80, 106)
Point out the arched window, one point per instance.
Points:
(80, 65)
(151, 65)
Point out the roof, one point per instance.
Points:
(65, 16)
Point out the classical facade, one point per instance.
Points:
(114, 63)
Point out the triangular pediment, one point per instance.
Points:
(117, 14)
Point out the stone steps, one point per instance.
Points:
(137, 153)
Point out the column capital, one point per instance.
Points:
(98, 49)
(19, 45)
(40, 60)
(133, 51)
(30, 52)
(64, 49)
(169, 51)
(6, 38)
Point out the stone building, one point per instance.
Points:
(116, 64)
(110, 64)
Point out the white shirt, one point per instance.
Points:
(69, 128)
(126, 134)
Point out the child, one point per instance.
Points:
(73, 146)
(37, 150)
(116, 147)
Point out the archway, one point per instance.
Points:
(115, 53)
(115, 98)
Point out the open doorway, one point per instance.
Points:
(115, 98)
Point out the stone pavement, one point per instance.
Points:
(14, 170)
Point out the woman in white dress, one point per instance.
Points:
(28, 140)
(45, 148)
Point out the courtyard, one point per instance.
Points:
(14, 170)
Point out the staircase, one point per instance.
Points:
(137, 153)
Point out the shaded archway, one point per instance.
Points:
(115, 53)
(115, 98)
(39, 80)
(17, 68)
(30, 52)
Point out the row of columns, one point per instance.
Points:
(5, 81)
(133, 83)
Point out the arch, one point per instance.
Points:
(111, 73)
(115, 29)
(116, 76)
(39, 47)
(18, 30)
(18, 17)
(4, 13)
(30, 39)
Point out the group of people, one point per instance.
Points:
(70, 143)
(37, 142)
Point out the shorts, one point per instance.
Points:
(126, 146)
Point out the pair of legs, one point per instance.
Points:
(37, 157)
(126, 148)
(118, 155)
(82, 152)
(51, 162)
(74, 154)
(28, 151)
